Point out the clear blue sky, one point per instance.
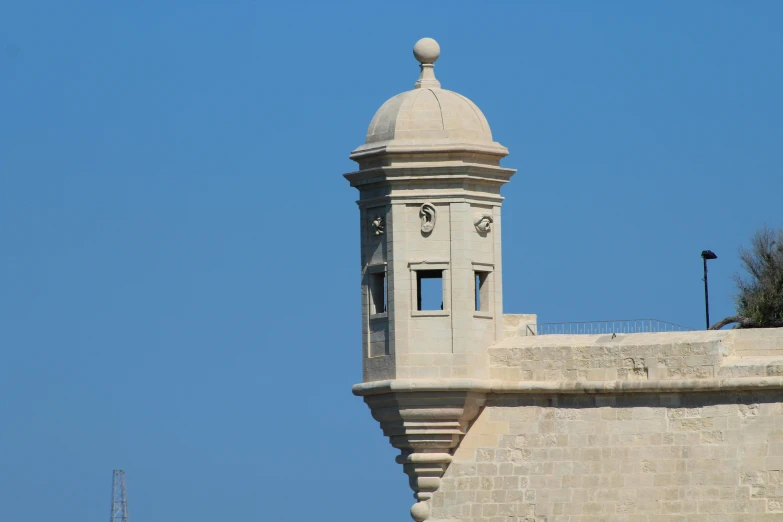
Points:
(179, 263)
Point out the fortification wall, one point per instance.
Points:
(642, 427)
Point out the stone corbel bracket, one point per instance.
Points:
(426, 426)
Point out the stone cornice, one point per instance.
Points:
(572, 387)
(472, 172)
(468, 197)
(393, 147)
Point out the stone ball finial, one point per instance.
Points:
(420, 511)
(426, 51)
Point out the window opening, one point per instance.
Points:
(377, 292)
(429, 289)
(482, 291)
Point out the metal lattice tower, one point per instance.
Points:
(119, 497)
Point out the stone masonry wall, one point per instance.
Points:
(679, 455)
(639, 357)
(628, 457)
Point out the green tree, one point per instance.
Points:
(760, 297)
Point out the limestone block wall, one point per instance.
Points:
(632, 457)
(665, 356)
(638, 440)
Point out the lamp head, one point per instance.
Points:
(708, 254)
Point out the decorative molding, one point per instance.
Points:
(483, 222)
(472, 152)
(466, 196)
(368, 389)
(428, 215)
(378, 225)
(426, 427)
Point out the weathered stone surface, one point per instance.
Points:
(553, 458)
(637, 357)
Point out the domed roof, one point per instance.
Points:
(428, 117)
(430, 114)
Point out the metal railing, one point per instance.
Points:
(622, 326)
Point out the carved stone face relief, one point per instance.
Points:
(427, 215)
(378, 225)
(483, 222)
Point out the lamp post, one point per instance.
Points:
(705, 255)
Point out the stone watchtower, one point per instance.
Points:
(429, 180)
(498, 424)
